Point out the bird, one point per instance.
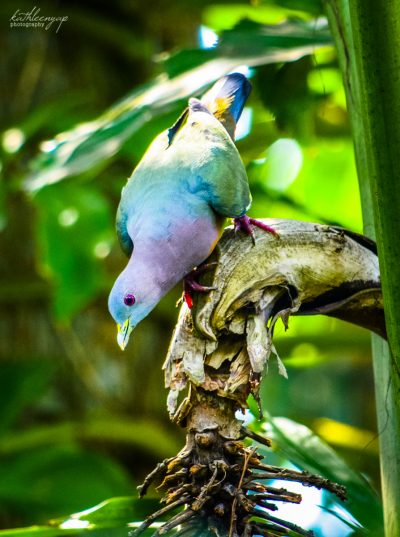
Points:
(174, 205)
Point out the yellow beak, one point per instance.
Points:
(124, 331)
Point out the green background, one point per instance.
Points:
(81, 421)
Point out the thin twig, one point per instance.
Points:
(173, 494)
(266, 505)
(159, 470)
(175, 521)
(151, 518)
(304, 478)
(280, 490)
(257, 437)
(288, 497)
(170, 478)
(201, 499)
(247, 457)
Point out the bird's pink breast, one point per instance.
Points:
(174, 243)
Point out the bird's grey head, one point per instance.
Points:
(131, 300)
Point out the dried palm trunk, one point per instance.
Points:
(219, 352)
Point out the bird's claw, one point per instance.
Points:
(245, 223)
(190, 284)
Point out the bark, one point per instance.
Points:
(219, 352)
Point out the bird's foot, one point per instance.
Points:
(245, 223)
(191, 285)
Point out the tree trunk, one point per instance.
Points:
(219, 352)
(366, 36)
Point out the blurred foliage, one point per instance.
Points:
(80, 422)
(303, 448)
(110, 517)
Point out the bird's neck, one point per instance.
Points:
(157, 265)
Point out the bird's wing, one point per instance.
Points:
(177, 126)
(126, 208)
(229, 192)
(225, 175)
(225, 180)
(122, 231)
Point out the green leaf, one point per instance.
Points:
(249, 43)
(115, 512)
(342, 519)
(49, 531)
(110, 518)
(314, 7)
(307, 451)
(222, 17)
(37, 531)
(55, 531)
(264, 44)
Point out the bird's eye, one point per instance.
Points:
(129, 299)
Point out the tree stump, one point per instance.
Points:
(219, 353)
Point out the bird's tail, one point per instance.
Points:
(227, 98)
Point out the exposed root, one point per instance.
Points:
(257, 437)
(305, 478)
(175, 521)
(161, 512)
(239, 497)
(220, 484)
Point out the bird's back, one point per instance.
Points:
(164, 210)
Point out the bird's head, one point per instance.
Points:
(131, 300)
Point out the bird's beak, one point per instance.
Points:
(124, 331)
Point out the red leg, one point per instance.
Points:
(245, 223)
(190, 284)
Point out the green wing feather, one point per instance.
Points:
(122, 232)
